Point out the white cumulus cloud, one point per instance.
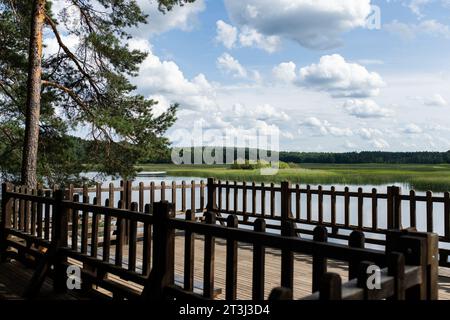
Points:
(226, 34)
(180, 17)
(285, 72)
(436, 100)
(341, 78)
(366, 108)
(232, 66)
(314, 24)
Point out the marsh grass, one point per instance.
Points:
(420, 177)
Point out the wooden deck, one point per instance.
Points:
(15, 277)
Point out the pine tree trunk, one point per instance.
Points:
(33, 110)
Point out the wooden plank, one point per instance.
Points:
(147, 245)
(22, 210)
(412, 209)
(133, 239)
(152, 193)
(298, 202)
(84, 223)
(333, 206)
(33, 206)
(107, 233)
(308, 204)
(189, 254)
(374, 209)
(39, 215)
(141, 196)
(183, 196)
(193, 208)
(235, 197)
(227, 196)
(120, 235)
(263, 200)
(163, 191)
(94, 232)
(360, 208)
(254, 198)
(47, 218)
(109, 203)
(15, 210)
(244, 200)
(346, 207)
(272, 200)
(174, 195)
(202, 195)
(320, 203)
(429, 211)
(27, 212)
(219, 195)
(75, 223)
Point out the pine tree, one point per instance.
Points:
(44, 98)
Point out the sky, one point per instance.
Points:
(328, 76)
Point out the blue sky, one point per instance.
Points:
(311, 70)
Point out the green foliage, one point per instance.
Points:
(417, 176)
(260, 164)
(85, 89)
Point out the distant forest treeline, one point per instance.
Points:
(84, 147)
(346, 157)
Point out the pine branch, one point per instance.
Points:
(71, 55)
(80, 103)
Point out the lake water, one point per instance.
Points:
(438, 222)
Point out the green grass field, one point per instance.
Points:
(420, 177)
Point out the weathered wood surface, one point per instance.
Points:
(302, 269)
(15, 277)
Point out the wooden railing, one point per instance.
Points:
(341, 211)
(56, 231)
(305, 206)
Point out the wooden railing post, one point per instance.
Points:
(231, 261)
(396, 269)
(390, 209)
(394, 208)
(419, 249)
(5, 223)
(209, 256)
(189, 254)
(397, 208)
(280, 293)
(318, 260)
(259, 258)
(60, 232)
(356, 240)
(212, 195)
(287, 230)
(330, 287)
(285, 200)
(162, 273)
(287, 257)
